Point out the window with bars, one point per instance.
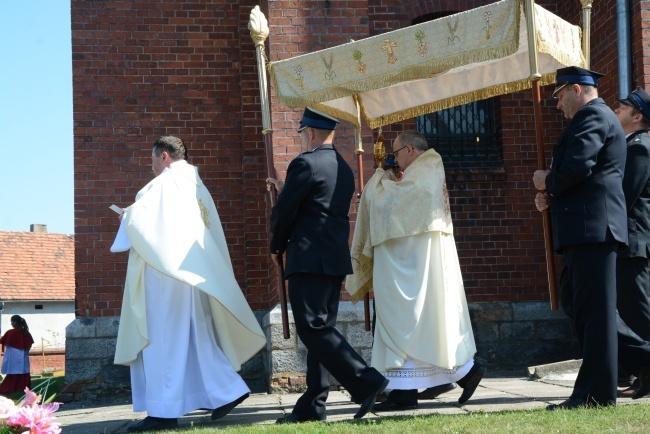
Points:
(464, 136)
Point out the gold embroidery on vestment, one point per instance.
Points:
(204, 214)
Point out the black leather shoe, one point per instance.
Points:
(398, 400)
(220, 412)
(369, 402)
(470, 382)
(150, 423)
(292, 418)
(570, 404)
(434, 392)
(644, 386)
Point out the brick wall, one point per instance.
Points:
(143, 69)
(298, 28)
(53, 360)
(50, 360)
(640, 42)
(154, 67)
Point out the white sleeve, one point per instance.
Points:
(122, 242)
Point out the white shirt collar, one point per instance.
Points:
(175, 163)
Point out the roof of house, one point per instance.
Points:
(36, 266)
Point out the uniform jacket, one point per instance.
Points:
(636, 186)
(310, 219)
(586, 178)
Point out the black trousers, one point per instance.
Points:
(633, 351)
(588, 285)
(315, 303)
(633, 294)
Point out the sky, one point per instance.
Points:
(36, 150)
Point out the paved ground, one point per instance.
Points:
(494, 394)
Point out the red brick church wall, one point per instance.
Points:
(147, 68)
(151, 67)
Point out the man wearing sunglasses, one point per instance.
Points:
(404, 249)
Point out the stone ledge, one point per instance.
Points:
(558, 368)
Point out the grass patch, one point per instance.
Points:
(622, 419)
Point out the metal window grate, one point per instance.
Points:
(464, 135)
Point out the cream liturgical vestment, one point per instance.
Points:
(404, 249)
(185, 326)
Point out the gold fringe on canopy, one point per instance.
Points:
(412, 53)
(493, 91)
(472, 55)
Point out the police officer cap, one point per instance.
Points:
(315, 119)
(390, 161)
(576, 75)
(640, 100)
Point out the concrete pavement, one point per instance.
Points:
(495, 393)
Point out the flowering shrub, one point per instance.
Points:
(28, 416)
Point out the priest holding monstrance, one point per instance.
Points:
(404, 250)
(185, 327)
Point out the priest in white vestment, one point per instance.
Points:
(404, 249)
(185, 327)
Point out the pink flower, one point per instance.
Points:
(21, 418)
(37, 419)
(7, 407)
(31, 399)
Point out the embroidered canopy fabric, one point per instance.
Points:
(424, 68)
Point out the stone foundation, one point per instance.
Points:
(508, 336)
(517, 335)
(287, 358)
(91, 374)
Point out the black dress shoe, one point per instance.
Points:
(292, 418)
(393, 406)
(470, 382)
(369, 402)
(434, 392)
(220, 412)
(570, 404)
(644, 385)
(150, 423)
(398, 400)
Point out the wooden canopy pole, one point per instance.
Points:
(366, 298)
(259, 28)
(359, 152)
(535, 76)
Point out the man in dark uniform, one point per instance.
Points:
(632, 273)
(589, 224)
(310, 221)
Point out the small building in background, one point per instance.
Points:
(37, 283)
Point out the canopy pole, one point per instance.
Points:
(259, 28)
(359, 152)
(535, 77)
(586, 31)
